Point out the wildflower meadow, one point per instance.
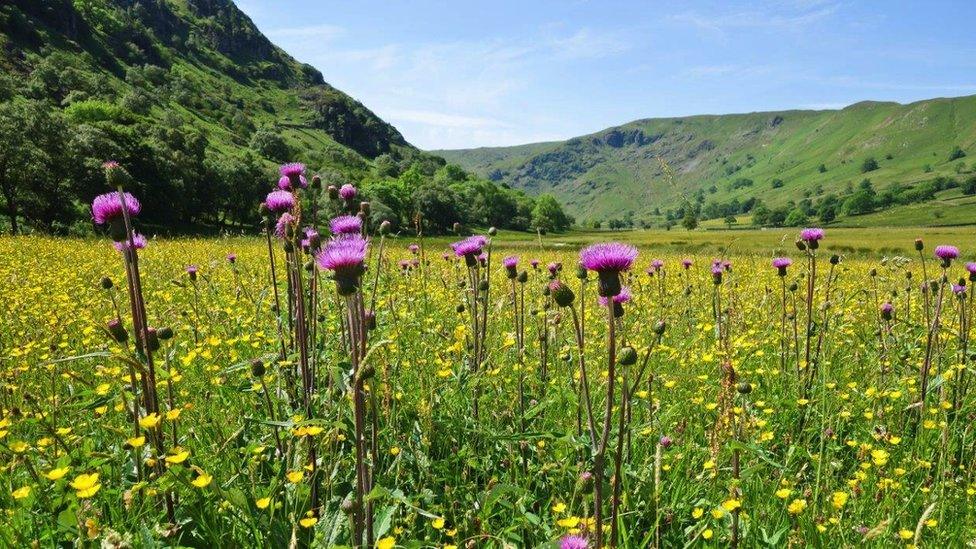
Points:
(330, 382)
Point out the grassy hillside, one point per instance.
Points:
(187, 94)
(642, 169)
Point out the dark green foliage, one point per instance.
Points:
(869, 165)
(956, 153)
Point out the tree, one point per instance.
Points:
(822, 168)
(548, 214)
(956, 153)
(777, 183)
(869, 165)
(31, 151)
(270, 144)
(969, 187)
(858, 203)
(796, 218)
(690, 219)
(827, 212)
(730, 220)
(438, 207)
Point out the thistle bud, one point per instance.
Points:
(117, 330)
(165, 333)
(835, 259)
(316, 183)
(456, 227)
(492, 231)
(627, 356)
(873, 273)
(257, 368)
(385, 227)
(364, 207)
(349, 505)
(263, 210)
(523, 277)
(561, 293)
(801, 245)
(581, 272)
(744, 388)
(659, 327)
(919, 245)
(107, 283)
(459, 308)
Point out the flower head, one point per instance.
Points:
(345, 258)
(946, 253)
(573, 542)
(657, 264)
(138, 242)
(623, 297)
(612, 256)
(469, 248)
(348, 192)
(510, 262)
(284, 225)
(886, 310)
(108, 207)
(811, 234)
(280, 201)
(413, 248)
(534, 263)
(346, 225)
(311, 240)
(292, 176)
(232, 257)
(782, 262)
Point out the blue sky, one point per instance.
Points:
(467, 74)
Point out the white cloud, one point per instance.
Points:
(795, 17)
(444, 120)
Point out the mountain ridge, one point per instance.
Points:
(709, 153)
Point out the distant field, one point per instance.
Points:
(847, 241)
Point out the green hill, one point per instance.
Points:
(790, 164)
(187, 94)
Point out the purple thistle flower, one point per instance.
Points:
(232, 257)
(415, 262)
(346, 225)
(469, 249)
(959, 290)
(344, 257)
(665, 442)
(686, 263)
(608, 260)
(138, 240)
(348, 192)
(946, 252)
(971, 267)
(534, 263)
(292, 169)
(312, 239)
(413, 248)
(108, 207)
(280, 201)
(404, 264)
(510, 262)
(292, 176)
(191, 271)
(812, 234)
(657, 264)
(554, 267)
(782, 262)
(573, 542)
(283, 225)
(623, 297)
(612, 256)
(483, 259)
(446, 256)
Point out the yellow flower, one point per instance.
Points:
(839, 499)
(86, 485)
(568, 522)
(437, 523)
(150, 421)
(178, 457)
(783, 493)
(797, 506)
(19, 447)
(263, 503)
(173, 414)
(707, 534)
(906, 534)
(386, 543)
(202, 481)
(395, 451)
(136, 442)
(697, 513)
(879, 457)
(295, 477)
(22, 492)
(308, 522)
(732, 504)
(559, 508)
(56, 473)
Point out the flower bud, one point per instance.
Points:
(627, 356)
(316, 183)
(117, 330)
(659, 327)
(364, 207)
(801, 245)
(835, 259)
(165, 333)
(492, 231)
(107, 283)
(523, 277)
(561, 293)
(919, 245)
(333, 192)
(744, 388)
(385, 227)
(257, 368)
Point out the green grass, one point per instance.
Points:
(599, 180)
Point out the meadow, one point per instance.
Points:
(435, 399)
